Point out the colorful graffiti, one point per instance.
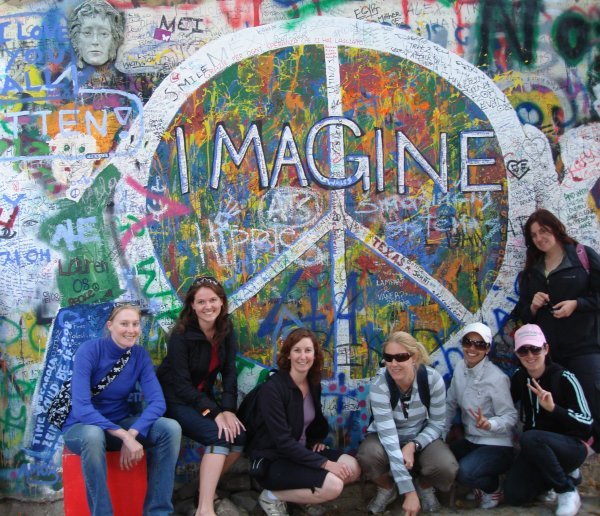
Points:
(347, 166)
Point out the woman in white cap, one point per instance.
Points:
(482, 393)
(556, 422)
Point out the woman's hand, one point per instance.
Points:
(539, 300)
(229, 426)
(408, 452)
(412, 504)
(544, 397)
(339, 469)
(564, 308)
(319, 447)
(132, 450)
(480, 420)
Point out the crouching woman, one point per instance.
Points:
(298, 466)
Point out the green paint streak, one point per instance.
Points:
(95, 245)
(311, 9)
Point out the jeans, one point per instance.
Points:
(162, 450)
(479, 465)
(542, 464)
(203, 429)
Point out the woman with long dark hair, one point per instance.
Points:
(563, 298)
(300, 468)
(201, 346)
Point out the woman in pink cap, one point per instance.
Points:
(482, 393)
(556, 422)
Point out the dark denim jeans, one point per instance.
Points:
(203, 429)
(161, 446)
(480, 465)
(543, 463)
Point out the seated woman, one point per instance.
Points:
(103, 422)
(482, 393)
(201, 346)
(301, 469)
(405, 435)
(556, 421)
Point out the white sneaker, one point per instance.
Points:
(568, 503)
(382, 499)
(547, 497)
(490, 500)
(429, 502)
(272, 507)
(474, 494)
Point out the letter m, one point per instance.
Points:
(499, 18)
(222, 138)
(165, 25)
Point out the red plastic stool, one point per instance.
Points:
(127, 488)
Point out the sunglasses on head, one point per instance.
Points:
(205, 279)
(477, 344)
(524, 350)
(398, 357)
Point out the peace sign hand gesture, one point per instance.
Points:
(480, 420)
(544, 397)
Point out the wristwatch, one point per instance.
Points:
(417, 444)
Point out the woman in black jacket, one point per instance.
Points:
(556, 423)
(563, 299)
(201, 346)
(299, 467)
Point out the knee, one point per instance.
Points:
(332, 487)
(168, 428)
(352, 463)
(372, 459)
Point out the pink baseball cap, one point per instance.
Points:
(529, 335)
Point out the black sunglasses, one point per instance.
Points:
(205, 279)
(477, 344)
(524, 350)
(398, 357)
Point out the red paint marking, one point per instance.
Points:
(173, 209)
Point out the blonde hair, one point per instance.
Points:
(124, 306)
(412, 345)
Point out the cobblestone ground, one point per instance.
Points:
(240, 499)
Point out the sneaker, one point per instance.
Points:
(490, 500)
(429, 502)
(568, 503)
(382, 499)
(547, 497)
(272, 507)
(576, 476)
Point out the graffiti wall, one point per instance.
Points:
(348, 166)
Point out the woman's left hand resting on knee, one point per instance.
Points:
(132, 450)
(339, 469)
(229, 425)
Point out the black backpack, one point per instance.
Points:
(248, 412)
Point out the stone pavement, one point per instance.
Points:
(239, 498)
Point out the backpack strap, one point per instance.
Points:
(423, 385)
(583, 257)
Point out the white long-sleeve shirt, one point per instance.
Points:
(483, 386)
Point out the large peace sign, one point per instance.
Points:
(336, 173)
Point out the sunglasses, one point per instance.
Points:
(524, 350)
(203, 280)
(477, 344)
(398, 357)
